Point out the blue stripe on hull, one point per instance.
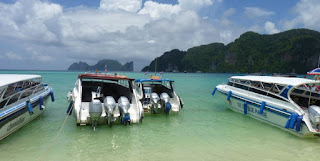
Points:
(257, 107)
(253, 102)
(22, 108)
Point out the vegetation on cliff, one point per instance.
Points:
(295, 50)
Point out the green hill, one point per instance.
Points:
(295, 50)
(170, 61)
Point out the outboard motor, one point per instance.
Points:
(314, 114)
(95, 111)
(155, 102)
(124, 106)
(109, 106)
(165, 99)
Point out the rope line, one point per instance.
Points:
(54, 139)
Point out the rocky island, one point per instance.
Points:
(112, 65)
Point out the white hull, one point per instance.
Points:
(81, 105)
(175, 106)
(272, 113)
(19, 114)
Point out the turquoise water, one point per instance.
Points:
(204, 130)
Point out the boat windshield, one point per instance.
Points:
(114, 88)
(159, 87)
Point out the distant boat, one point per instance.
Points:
(158, 96)
(22, 99)
(292, 104)
(104, 99)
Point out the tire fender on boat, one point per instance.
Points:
(52, 96)
(29, 106)
(229, 95)
(293, 120)
(69, 111)
(288, 122)
(214, 91)
(181, 102)
(41, 103)
(263, 104)
(167, 108)
(245, 107)
(299, 121)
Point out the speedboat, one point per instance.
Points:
(158, 96)
(22, 99)
(104, 99)
(292, 104)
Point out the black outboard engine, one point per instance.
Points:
(124, 106)
(109, 106)
(155, 100)
(165, 101)
(95, 111)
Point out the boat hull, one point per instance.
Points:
(148, 110)
(21, 116)
(269, 115)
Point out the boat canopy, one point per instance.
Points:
(6, 79)
(277, 80)
(153, 80)
(103, 77)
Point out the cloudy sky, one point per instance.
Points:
(52, 34)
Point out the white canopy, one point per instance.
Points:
(277, 80)
(6, 79)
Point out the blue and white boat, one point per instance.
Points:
(158, 95)
(22, 99)
(292, 104)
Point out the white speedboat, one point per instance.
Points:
(158, 96)
(292, 104)
(104, 99)
(22, 99)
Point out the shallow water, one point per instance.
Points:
(204, 130)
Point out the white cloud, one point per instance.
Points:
(45, 32)
(115, 5)
(253, 12)
(308, 12)
(195, 4)
(158, 10)
(13, 56)
(307, 15)
(270, 28)
(151, 41)
(225, 16)
(28, 20)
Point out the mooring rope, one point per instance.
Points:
(55, 138)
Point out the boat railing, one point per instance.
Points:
(21, 94)
(270, 87)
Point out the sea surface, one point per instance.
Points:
(205, 129)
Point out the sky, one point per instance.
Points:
(53, 34)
